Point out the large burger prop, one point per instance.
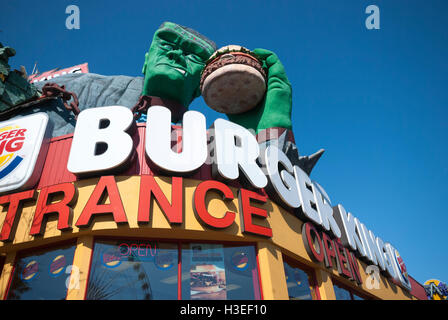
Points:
(233, 80)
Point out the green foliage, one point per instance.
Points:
(14, 89)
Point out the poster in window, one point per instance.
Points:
(207, 273)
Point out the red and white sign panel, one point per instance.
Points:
(21, 140)
(48, 75)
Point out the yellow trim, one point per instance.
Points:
(326, 289)
(7, 272)
(80, 273)
(273, 280)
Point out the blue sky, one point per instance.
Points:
(375, 100)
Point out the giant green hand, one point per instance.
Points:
(275, 109)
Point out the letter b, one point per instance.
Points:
(100, 141)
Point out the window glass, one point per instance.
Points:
(42, 274)
(137, 270)
(355, 297)
(298, 283)
(219, 272)
(341, 293)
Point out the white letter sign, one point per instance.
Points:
(158, 140)
(100, 141)
(21, 141)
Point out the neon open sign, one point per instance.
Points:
(138, 249)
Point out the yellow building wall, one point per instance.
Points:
(286, 238)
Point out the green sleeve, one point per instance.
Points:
(275, 109)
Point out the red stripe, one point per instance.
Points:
(417, 290)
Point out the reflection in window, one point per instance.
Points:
(42, 274)
(219, 272)
(343, 293)
(298, 283)
(137, 270)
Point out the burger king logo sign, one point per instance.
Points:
(30, 271)
(57, 266)
(401, 268)
(12, 139)
(21, 141)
